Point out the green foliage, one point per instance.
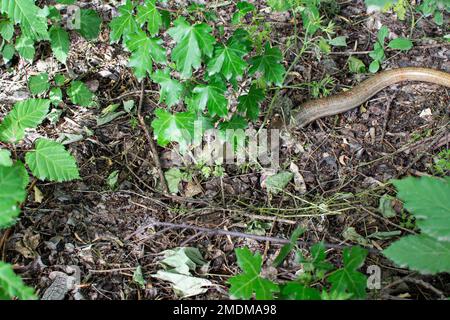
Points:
(348, 279)
(193, 41)
(26, 14)
(268, 64)
(60, 42)
(80, 94)
(12, 286)
(378, 52)
(226, 64)
(427, 200)
(442, 162)
(178, 127)
(345, 282)
(144, 50)
(51, 161)
(33, 22)
(171, 89)
(250, 282)
(287, 248)
(24, 115)
(12, 192)
(39, 84)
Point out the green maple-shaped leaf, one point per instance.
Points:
(39, 83)
(51, 161)
(228, 60)
(26, 14)
(25, 114)
(178, 127)
(12, 286)
(250, 102)
(60, 43)
(211, 95)
(348, 279)
(13, 181)
(90, 23)
(171, 89)
(25, 47)
(80, 94)
(428, 199)
(192, 41)
(148, 13)
(421, 253)
(244, 285)
(144, 50)
(317, 261)
(243, 8)
(297, 291)
(124, 24)
(269, 65)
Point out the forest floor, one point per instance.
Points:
(345, 161)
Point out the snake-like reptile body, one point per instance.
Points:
(316, 109)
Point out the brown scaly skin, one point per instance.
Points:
(315, 109)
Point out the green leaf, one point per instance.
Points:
(26, 14)
(60, 43)
(278, 182)
(13, 181)
(80, 94)
(192, 41)
(138, 277)
(12, 286)
(51, 161)
(242, 9)
(6, 29)
(148, 13)
(421, 253)
(228, 60)
(380, 4)
(39, 84)
(173, 177)
(5, 158)
(269, 65)
(374, 66)
(280, 5)
(245, 284)
(287, 248)
(382, 34)
(348, 279)
(59, 80)
(250, 102)
(8, 52)
(178, 127)
(90, 23)
(427, 198)
(213, 96)
(386, 206)
(25, 47)
(356, 65)
(171, 89)
(144, 50)
(125, 24)
(25, 114)
(338, 41)
(55, 96)
(316, 263)
(297, 291)
(403, 44)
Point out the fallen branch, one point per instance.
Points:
(237, 234)
(153, 149)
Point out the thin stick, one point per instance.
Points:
(153, 149)
(241, 235)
